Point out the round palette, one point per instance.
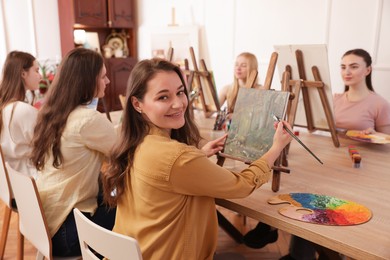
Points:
(321, 209)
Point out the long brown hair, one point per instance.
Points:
(367, 59)
(12, 86)
(231, 96)
(74, 84)
(135, 127)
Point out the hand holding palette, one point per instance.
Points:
(321, 209)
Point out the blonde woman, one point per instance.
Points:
(245, 63)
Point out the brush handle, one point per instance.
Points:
(297, 139)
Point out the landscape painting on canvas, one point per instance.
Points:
(252, 127)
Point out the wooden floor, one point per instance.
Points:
(270, 252)
(225, 243)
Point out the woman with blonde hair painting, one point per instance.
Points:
(246, 62)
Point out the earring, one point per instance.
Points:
(139, 110)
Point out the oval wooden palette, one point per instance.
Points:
(371, 138)
(321, 209)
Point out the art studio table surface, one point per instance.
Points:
(368, 185)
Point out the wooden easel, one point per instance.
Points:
(281, 162)
(277, 168)
(195, 87)
(302, 84)
(170, 54)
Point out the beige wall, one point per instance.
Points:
(228, 27)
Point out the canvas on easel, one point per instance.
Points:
(252, 127)
(314, 55)
(307, 65)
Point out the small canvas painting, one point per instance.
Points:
(252, 127)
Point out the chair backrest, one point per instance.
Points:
(5, 187)
(32, 220)
(107, 243)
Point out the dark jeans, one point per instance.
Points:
(66, 242)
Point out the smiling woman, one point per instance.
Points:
(164, 103)
(162, 179)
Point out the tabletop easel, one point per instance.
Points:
(281, 162)
(196, 89)
(304, 84)
(278, 168)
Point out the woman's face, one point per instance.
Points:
(165, 101)
(32, 77)
(241, 68)
(102, 82)
(354, 70)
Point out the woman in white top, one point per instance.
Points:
(17, 120)
(69, 145)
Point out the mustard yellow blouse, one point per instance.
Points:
(168, 204)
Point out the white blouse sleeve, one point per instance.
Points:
(99, 134)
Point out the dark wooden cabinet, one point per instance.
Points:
(104, 13)
(103, 17)
(121, 13)
(118, 72)
(91, 12)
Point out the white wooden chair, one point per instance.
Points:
(6, 197)
(107, 243)
(32, 223)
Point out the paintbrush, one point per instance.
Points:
(296, 138)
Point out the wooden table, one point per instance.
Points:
(368, 185)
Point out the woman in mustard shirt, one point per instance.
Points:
(165, 186)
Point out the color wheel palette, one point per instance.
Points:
(321, 209)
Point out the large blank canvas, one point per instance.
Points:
(252, 128)
(313, 55)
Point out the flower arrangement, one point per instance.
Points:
(48, 71)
